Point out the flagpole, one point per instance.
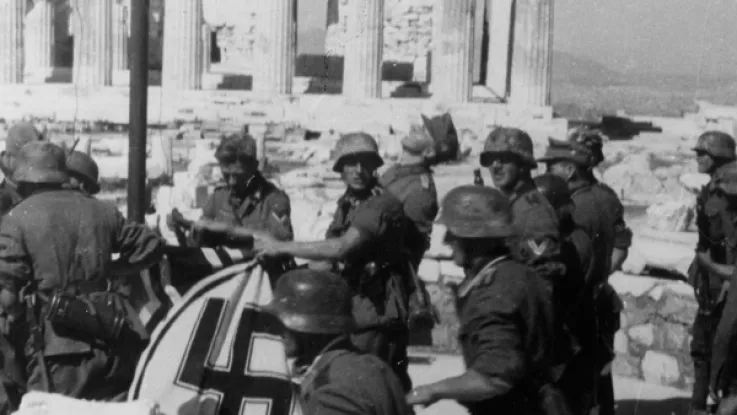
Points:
(138, 58)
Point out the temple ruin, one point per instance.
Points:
(449, 46)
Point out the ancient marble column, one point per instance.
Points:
(39, 38)
(533, 53)
(478, 39)
(452, 55)
(93, 42)
(275, 47)
(500, 35)
(206, 47)
(11, 41)
(364, 49)
(182, 60)
(120, 35)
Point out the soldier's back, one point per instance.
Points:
(348, 382)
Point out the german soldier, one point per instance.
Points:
(18, 135)
(246, 199)
(571, 299)
(713, 150)
(334, 377)
(411, 181)
(508, 153)
(56, 254)
(599, 212)
(504, 332)
(84, 174)
(365, 244)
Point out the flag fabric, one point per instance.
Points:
(186, 370)
(181, 268)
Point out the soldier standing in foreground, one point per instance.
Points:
(365, 244)
(504, 333)
(573, 302)
(599, 213)
(54, 264)
(334, 377)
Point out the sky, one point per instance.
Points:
(661, 36)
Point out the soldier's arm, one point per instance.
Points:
(15, 270)
(367, 224)
(498, 364)
(139, 246)
(622, 240)
(722, 271)
(279, 220)
(334, 399)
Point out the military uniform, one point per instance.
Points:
(61, 241)
(264, 207)
(344, 381)
(380, 305)
(414, 186)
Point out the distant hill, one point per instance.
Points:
(572, 69)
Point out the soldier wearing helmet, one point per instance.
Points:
(365, 244)
(575, 307)
(505, 333)
(508, 156)
(599, 212)
(56, 257)
(411, 181)
(315, 310)
(18, 135)
(84, 174)
(246, 199)
(715, 151)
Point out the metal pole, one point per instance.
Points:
(138, 48)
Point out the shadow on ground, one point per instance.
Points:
(672, 406)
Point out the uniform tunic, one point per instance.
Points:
(414, 186)
(505, 334)
(264, 207)
(60, 239)
(380, 305)
(344, 381)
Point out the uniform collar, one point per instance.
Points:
(479, 273)
(354, 198)
(582, 184)
(303, 372)
(522, 187)
(254, 189)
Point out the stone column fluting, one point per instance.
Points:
(39, 37)
(12, 13)
(93, 40)
(532, 55)
(364, 49)
(452, 54)
(500, 38)
(182, 60)
(275, 47)
(206, 47)
(120, 35)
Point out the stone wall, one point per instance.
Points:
(407, 32)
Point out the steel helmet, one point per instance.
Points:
(725, 178)
(716, 144)
(311, 301)
(477, 212)
(41, 162)
(358, 143)
(590, 139)
(555, 189)
(508, 140)
(84, 167)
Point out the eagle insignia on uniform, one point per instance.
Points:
(538, 249)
